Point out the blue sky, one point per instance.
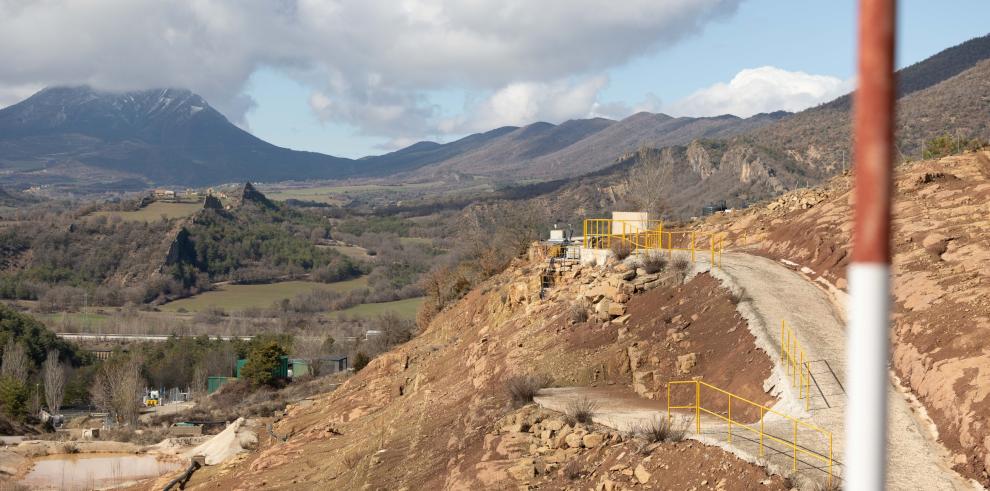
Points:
(812, 37)
(353, 78)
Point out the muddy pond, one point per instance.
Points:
(94, 471)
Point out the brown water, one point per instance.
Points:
(94, 471)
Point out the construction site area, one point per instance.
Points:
(633, 356)
(763, 290)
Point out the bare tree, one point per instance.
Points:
(199, 379)
(220, 361)
(15, 362)
(310, 349)
(117, 388)
(54, 374)
(649, 182)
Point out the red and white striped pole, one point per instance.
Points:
(869, 275)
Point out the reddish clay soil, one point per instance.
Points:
(703, 316)
(682, 465)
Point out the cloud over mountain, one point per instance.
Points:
(758, 90)
(370, 64)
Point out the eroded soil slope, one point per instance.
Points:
(941, 282)
(434, 413)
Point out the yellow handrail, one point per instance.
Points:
(793, 443)
(792, 356)
(600, 233)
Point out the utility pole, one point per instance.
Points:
(869, 275)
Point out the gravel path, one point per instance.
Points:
(770, 292)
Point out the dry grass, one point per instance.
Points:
(578, 314)
(621, 249)
(661, 430)
(573, 470)
(654, 262)
(681, 265)
(522, 389)
(834, 485)
(582, 410)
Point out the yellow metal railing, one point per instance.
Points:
(825, 455)
(695, 243)
(602, 233)
(792, 356)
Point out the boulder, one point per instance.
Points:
(556, 457)
(642, 475)
(634, 354)
(616, 309)
(523, 471)
(574, 440)
(592, 440)
(514, 428)
(686, 362)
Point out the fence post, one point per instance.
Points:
(830, 458)
(782, 340)
(697, 406)
(668, 403)
(801, 377)
(693, 236)
(761, 431)
(730, 419)
(711, 241)
(795, 444)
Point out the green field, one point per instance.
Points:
(415, 241)
(353, 252)
(404, 308)
(154, 211)
(335, 194)
(239, 297)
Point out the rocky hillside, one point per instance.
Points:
(435, 413)
(573, 148)
(940, 279)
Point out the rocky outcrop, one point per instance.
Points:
(700, 160)
(212, 203)
(250, 195)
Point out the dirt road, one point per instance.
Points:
(771, 292)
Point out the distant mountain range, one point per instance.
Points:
(174, 137)
(171, 136)
(945, 95)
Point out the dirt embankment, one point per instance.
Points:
(431, 413)
(941, 283)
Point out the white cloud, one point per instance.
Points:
(526, 102)
(758, 90)
(373, 61)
